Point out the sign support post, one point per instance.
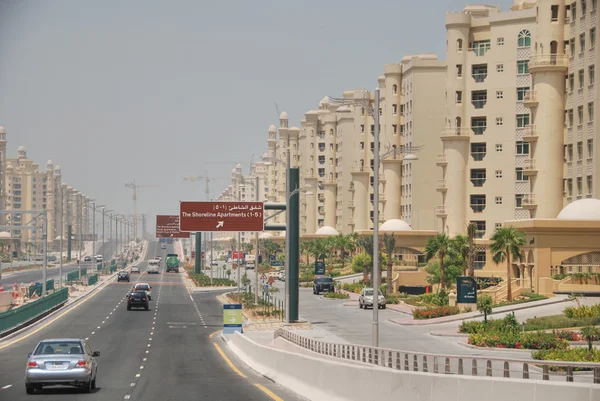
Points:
(293, 235)
(198, 268)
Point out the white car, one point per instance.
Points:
(99, 258)
(214, 262)
(153, 266)
(135, 269)
(250, 265)
(143, 287)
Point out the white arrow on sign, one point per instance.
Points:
(232, 319)
(220, 224)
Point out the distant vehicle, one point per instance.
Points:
(163, 246)
(143, 287)
(123, 276)
(158, 258)
(87, 259)
(135, 269)
(39, 257)
(61, 362)
(366, 299)
(323, 284)
(214, 262)
(172, 263)
(138, 299)
(99, 258)
(153, 266)
(250, 265)
(52, 258)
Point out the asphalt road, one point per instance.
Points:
(162, 354)
(33, 275)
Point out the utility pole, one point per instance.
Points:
(134, 188)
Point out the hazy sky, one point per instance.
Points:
(161, 89)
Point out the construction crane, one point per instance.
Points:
(134, 188)
(207, 180)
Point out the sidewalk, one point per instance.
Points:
(472, 315)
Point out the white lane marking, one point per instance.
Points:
(147, 352)
(93, 332)
(87, 338)
(98, 327)
(103, 321)
(148, 345)
(145, 359)
(7, 386)
(141, 367)
(138, 375)
(132, 384)
(191, 298)
(127, 397)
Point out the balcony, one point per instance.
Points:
(528, 201)
(549, 62)
(351, 222)
(362, 169)
(382, 178)
(441, 186)
(457, 132)
(351, 204)
(330, 181)
(440, 211)
(479, 103)
(479, 77)
(530, 99)
(382, 198)
(441, 160)
(530, 134)
(529, 167)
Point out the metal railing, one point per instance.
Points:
(549, 60)
(449, 364)
(456, 131)
(16, 317)
(530, 96)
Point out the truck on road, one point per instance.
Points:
(172, 263)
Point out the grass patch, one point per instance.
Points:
(559, 322)
(435, 312)
(580, 354)
(524, 298)
(337, 295)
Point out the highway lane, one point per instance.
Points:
(33, 275)
(142, 357)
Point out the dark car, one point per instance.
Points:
(123, 276)
(138, 299)
(323, 284)
(87, 259)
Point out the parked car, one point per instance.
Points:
(99, 258)
(365, 299)
(323, 284)
(135, 269)
(123, 276)
(61, 362)
(138, 299)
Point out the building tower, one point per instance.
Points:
(455, 137)
(548, 67)
(50, 203)
(361, 170)
(308, 170)
(2, 174)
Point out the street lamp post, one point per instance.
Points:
(62, 234)
(365, 103)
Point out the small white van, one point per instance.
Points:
(153, 266)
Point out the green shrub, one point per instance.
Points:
(507, 324)
(578, 354)
(435, 312)
(392, 298)
(583, 311)
(566, 335)
(496, 339)
(337, 295)
(202, 280)
(334, 273)
(542, 340)
(472, 327)
(353, 287)
(559, 322)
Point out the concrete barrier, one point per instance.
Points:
(320, 378)
(6, 299)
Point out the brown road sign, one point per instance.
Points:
(221, 216)
(167, 226)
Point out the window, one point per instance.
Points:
(570, 117)
(590, 111)
(570, 187)
(499, 95)
(498, 173)
(590, 148)
(521, 93)
(499, 67)
(554, 10)
(478, 203)
(499, 121)
(522, 120)
(394, 109)
(395, 128)
(480, 47)
(459, 70)
(479, 72)
(589, 184)
(583, 7)
(459, 45)
(478, 151)
(579, 185)
(321, 172)
(478, 177)
(524, 39)
(591, 75)
(458, 97)
(573, 11)
(523, 67)
(580, 115)
(498, 147)
(394, 89)
(518, 201)
(570, 152)
(478, 125)
(571, 47)
(321, 159)
(498, 200)
(592, 38)
(571, 82)
(579, 150)
(581, 78)
(497, 226)
(500, 41)
(362, 146)
(522, 148)
(479, 99)
(594, 2)
(480, 258)
(362, 128)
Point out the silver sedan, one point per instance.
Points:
(61, 362)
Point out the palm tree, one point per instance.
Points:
(233, 244)
(305, 247)
(438, 247)
(507, 242)
(460, 247)
(390, 244)
(352, 243)
(320, 249)
(342, 243)
(331, 243)
(471, 231)
(366, 243)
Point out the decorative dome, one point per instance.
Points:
(49, 165)
(284, 116)
(57, 168)
(265, 155)
(327, 231)
(2, 130)
(233, 171)
(294, 129)
(582, 209)
(265, 236)
(324, 101)
(272, 128)
(238, 165)
(395, 225)
(5, 235)
(21, 149)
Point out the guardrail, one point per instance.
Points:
(17, 317)
(37, 288)
(449, 364)
(92, 279)
(72, 276)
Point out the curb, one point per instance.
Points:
(495, 349)
(441, 334)
(411, 322)
(39, 319)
